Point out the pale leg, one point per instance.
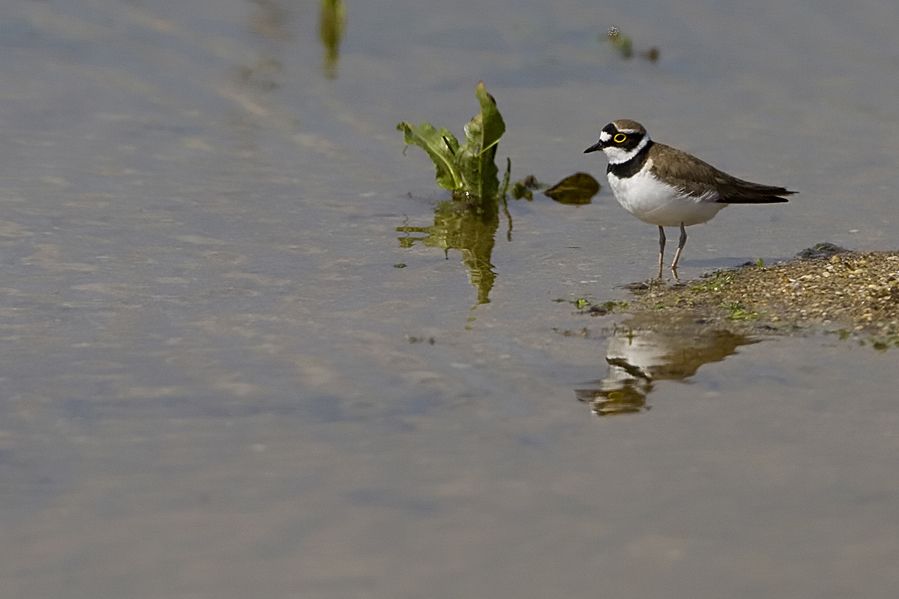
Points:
(680, 246)
(661, 249)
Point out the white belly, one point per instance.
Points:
(656, 203)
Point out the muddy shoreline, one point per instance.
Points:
(823, 289)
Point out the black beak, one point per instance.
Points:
(594, 148)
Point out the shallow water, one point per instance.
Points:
(219, 382)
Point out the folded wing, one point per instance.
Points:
(702, 180)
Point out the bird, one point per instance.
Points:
(667, 187)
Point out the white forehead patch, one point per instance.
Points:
(604, 136)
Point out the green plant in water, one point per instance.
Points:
(467, 169)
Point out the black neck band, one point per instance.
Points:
(623, 170)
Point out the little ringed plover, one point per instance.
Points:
(667, 187)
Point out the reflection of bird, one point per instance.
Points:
(638, 358)
(666, 187)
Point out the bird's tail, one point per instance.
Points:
(746, 192)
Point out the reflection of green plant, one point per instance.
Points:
(467, 229)
(466, 169)
(330, 28)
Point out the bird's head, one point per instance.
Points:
(621, 140)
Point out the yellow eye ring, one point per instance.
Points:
(619, 138)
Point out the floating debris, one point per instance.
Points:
(820, 251)
(524, 188)
(576, 189)
(622, 43)
(625, 46)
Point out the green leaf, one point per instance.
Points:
(468, 169)
(443, 148)
(493, 124)
(476, 159)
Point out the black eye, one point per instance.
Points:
(619, 138)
